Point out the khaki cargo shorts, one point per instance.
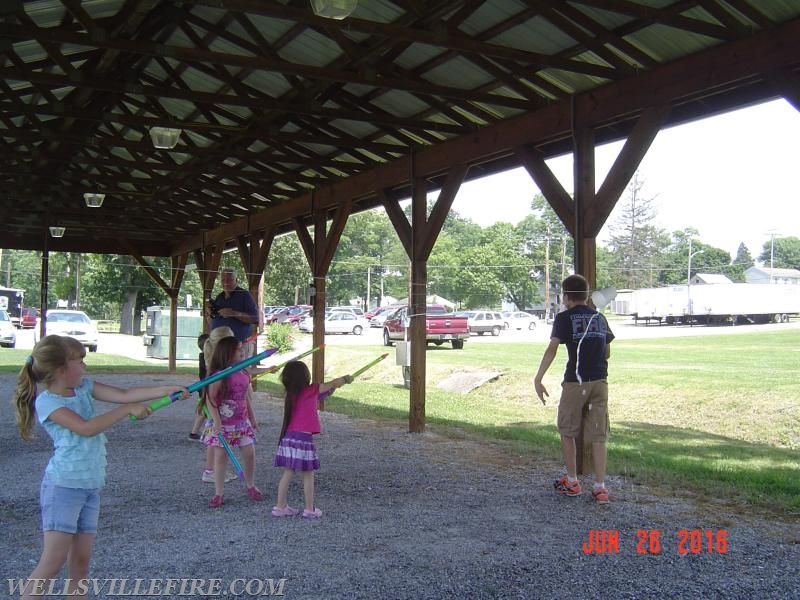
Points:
(591, 396)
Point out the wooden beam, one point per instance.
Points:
(318, 271)
(441, 209)
(551, 188)
(178, 270)
(625, 165)
(787, 84)
(306, 243)
(416, 309)
(148, 268)
(398, 219)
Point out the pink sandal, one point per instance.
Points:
(215, 502)
(286, 511)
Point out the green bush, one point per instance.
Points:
(280, 336)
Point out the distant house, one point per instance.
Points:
(767, 275)
(709, 278)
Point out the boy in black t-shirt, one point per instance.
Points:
(587, 336)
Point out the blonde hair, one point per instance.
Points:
(47, 357)
(214, 337)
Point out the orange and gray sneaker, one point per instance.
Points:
(564, 486)
(600, 495)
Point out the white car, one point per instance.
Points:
(72, 323)
(351, 309)
(337, 321)
(8, 333)
(484, 321)
(520, 320)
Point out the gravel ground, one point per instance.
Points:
(405, 516)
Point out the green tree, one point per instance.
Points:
(705, 259)
(550, 250)
(635, 242)
(740, 264)
(22, 269)
(287, 276)
(783, 252)
(366, 251)
(116, 286)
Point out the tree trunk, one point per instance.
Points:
(126, 312)
(137, 322)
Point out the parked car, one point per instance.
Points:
(289, 314)
(268, 310)
(379, 315)
(484, 321)
(520, 320)
(71, 323)
(29, 317)
(8, 333)
(440, 326)
(357, 311)
(337, 321)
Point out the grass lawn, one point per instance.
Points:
(718, 416)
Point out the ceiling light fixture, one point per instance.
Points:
(94, 200)
(333, 9)
(165, 138)
(57, 232)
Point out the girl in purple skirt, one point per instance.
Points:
(296, 451)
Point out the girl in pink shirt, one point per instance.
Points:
(296, 451)
(228, 403)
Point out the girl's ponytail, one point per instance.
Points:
(47, 357)
(23, 399)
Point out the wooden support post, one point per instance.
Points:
(418, 239)
(417, 301)
(319, 254)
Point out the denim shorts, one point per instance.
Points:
(71, 510)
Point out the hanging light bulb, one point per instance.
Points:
(333, 9)
(94, 200)
(165, 138)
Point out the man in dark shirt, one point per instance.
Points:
(587, 336)
(234, 307)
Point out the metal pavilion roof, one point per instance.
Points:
(275, 103)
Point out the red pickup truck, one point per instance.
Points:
(440, 326)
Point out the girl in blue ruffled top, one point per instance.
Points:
(70, 491)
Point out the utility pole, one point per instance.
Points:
(547, 276)
(689, 279)
(366, 306)
(772, 234)
(78, 281)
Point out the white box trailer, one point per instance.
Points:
(716, 303)
(745, 302)
(658, 304)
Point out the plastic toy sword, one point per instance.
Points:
(283, 364)
(228, 450)
(199, 385)
(369, 365)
